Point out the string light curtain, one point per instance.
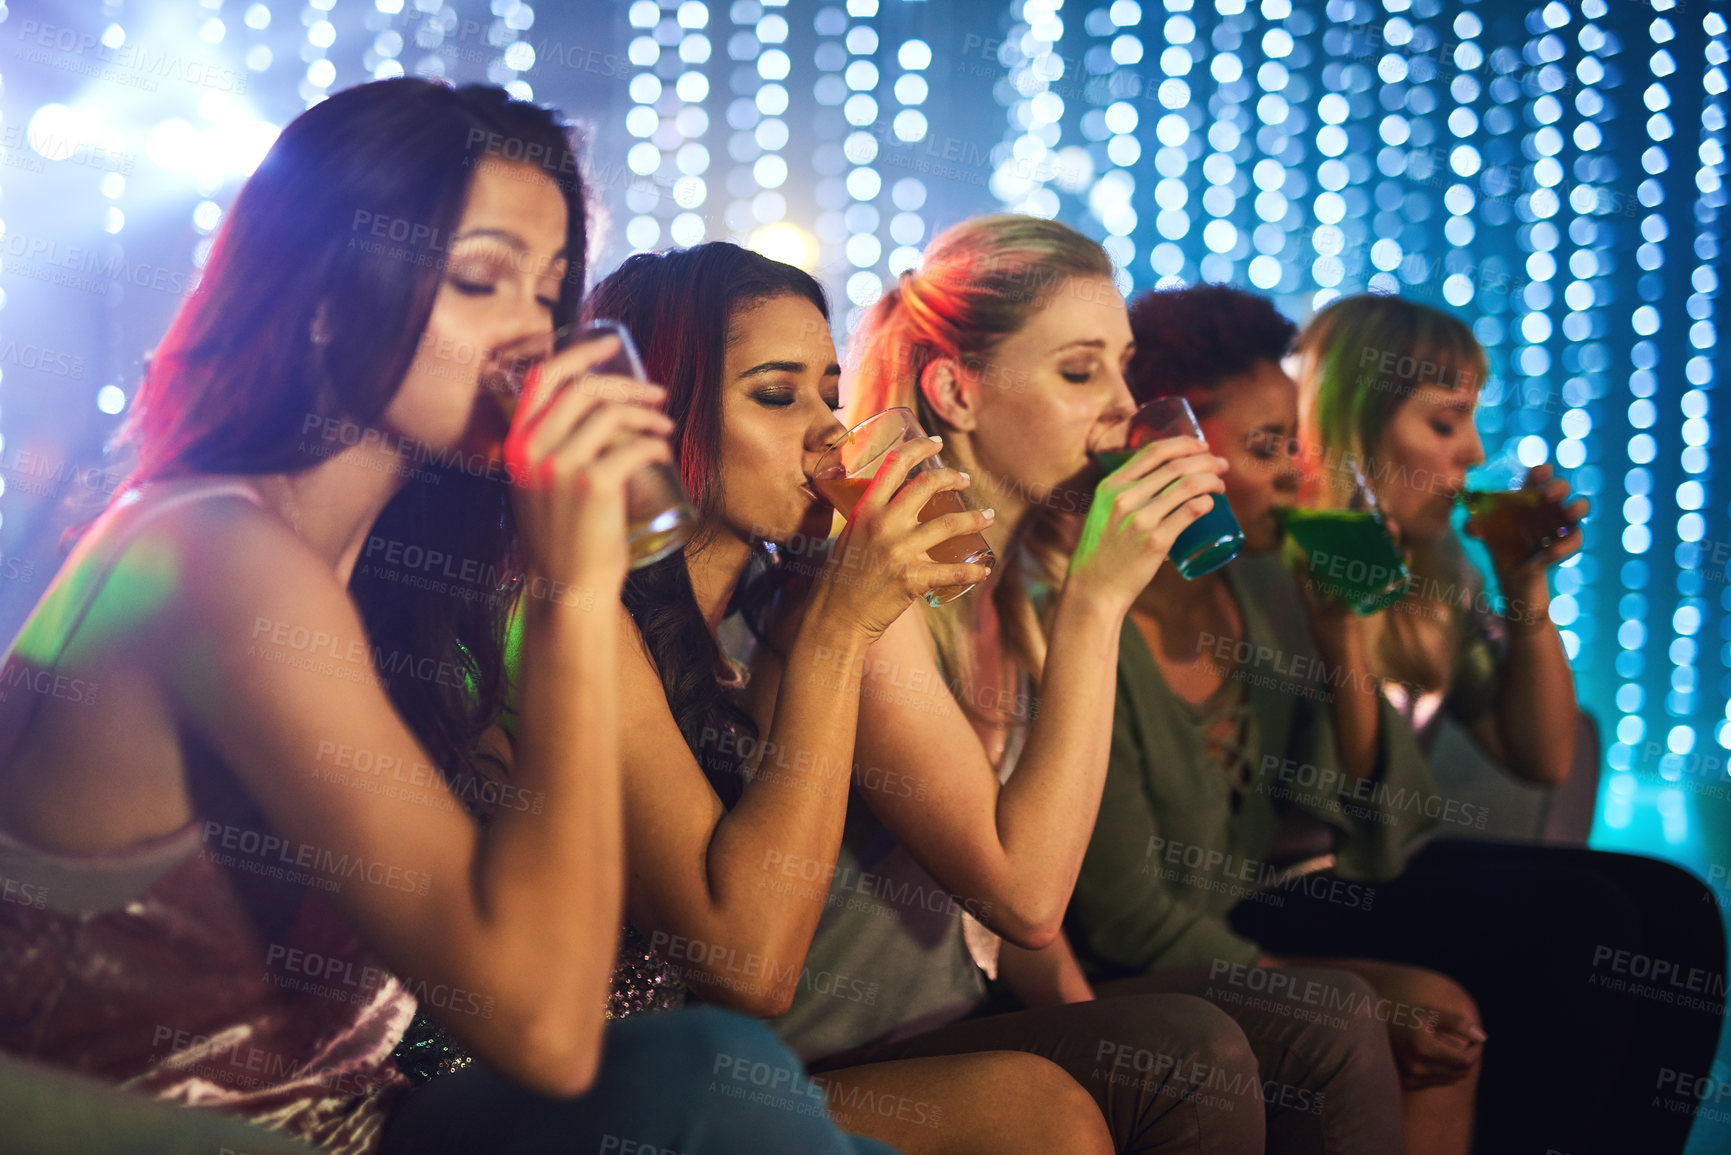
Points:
(1552, 172)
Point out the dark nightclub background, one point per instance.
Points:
(1553, 172)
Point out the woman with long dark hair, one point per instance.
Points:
(738, 798)
(253, 854)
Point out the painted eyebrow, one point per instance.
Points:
(511, 240)
(1092, 343)
(758, 370)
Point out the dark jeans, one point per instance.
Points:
(1170, 1073)
(697, 1082)
(1600, 978)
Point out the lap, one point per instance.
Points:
(1321, 1041)
(1169, 1072)
(699, 1082)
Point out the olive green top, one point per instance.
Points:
(1195, 797)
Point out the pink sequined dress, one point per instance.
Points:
(206, 967)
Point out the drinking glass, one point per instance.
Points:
(847, 468)
(1516, 524)
(1211, 540)
(659, 519)
(1349, 552)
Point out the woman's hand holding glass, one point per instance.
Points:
(1138, 511)
(879, 564)
(576, 438)
(1527, 530)
(1350, 557)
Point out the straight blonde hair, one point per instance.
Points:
(1360, 359)
(978, 283)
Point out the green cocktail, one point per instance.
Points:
(1349, 555)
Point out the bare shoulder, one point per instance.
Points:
(152, 608)
(208, 587)
(146, 573)
(222, 562)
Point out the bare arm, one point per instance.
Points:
(1016, 849)
(269, 662)
(1532, 730)
(750, 883)
(519, 916)
(703, 874)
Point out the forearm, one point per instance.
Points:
(1356, 698)
(1536, 708)
(1046, 811)
(786, 830)
(547, 877)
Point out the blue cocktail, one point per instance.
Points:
(1211, 540)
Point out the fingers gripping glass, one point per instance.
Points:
(847, 468)
(1515, 521)
(1517, 525)
(1349, 552)
(1211, 540)
(659, 519)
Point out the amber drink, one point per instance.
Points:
(1516, 524)
(846, 471)
(659, 519)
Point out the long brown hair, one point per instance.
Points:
(311, 308)
(680, 306)
(1360, 359)
(978, 283)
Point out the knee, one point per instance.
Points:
(726, 1035)
(1438, 992)
(1458, 998)
(1444, 1004)
(1067, 1119)
(1213, 1036)
(1367, 1016)
(1349, 1026)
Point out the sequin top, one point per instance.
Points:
(643, 981)
(201, 967)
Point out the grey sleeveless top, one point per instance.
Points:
(892, 956)
(889, 959)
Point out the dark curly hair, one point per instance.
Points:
(1190, 340)
(679, 306)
